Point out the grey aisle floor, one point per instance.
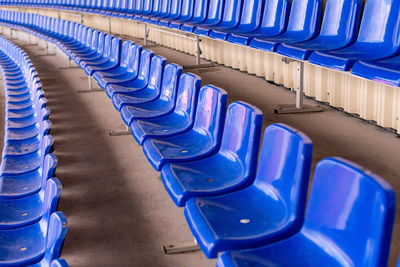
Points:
(118, 211)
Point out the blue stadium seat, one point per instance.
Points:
(186, 14)
(155, 12)
(26, 146)
(110, 59)
(378, 32)
(339, 29)
(126, 84)
(34, 245)
(270, 209)
(214, 17)
(131, 72)
(232, 168)
(176, 122)
(349, 222)
(174, 11)
(147, 94)
(303, 25)
(202, 140)
(385, 71)
(22, 164)
(121, 68)
(21, 185)
(19, 212)
(161, 106)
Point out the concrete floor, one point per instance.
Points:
(118, 211)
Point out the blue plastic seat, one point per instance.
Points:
(109, 60)
(128, 84)
(26, 146)
(152, 90)
(21, 164)
(173, 10)
(349, 222)
(186, 13)
(34, 245)
(161, 106)
(232, 16)
(131, 72)
(102, 41)
(176, 122)
(19, 212)
(21, 185)
(339, 29)
(303, 24)
(202, 140)
(122, 67)
(232, 168)
(270, 209)
(214, 17)
(378, 32)
(385, 71)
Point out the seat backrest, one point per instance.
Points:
(49, 166)
(186, 10)
(138, 9)
(231, 14)
(156, 9)
(144, 67)
(165, 8)
(214, 13)
(187, 95)
(135, 52)
(241, 136)
(115, 49)
(89, 37)
(101, 42)
(170, 80)
(251, 14)
(175, 9)
(351, 211)
(122, 5)
(340, 22)
(108, 45)
(46, 145)
(211, 111)
(284, 169)
(130, 6)
(125, 53)
(379, 28)
(52, 194)
(304, 19)
(57, 230)
(200, 11)
(157, 66)
(95, 40)
(147, 7)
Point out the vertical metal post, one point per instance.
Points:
(90, 83)
(198, 51)
(299, 91)
(145, 35)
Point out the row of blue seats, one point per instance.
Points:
(31, 231)
(345, 35)
(207, 154)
